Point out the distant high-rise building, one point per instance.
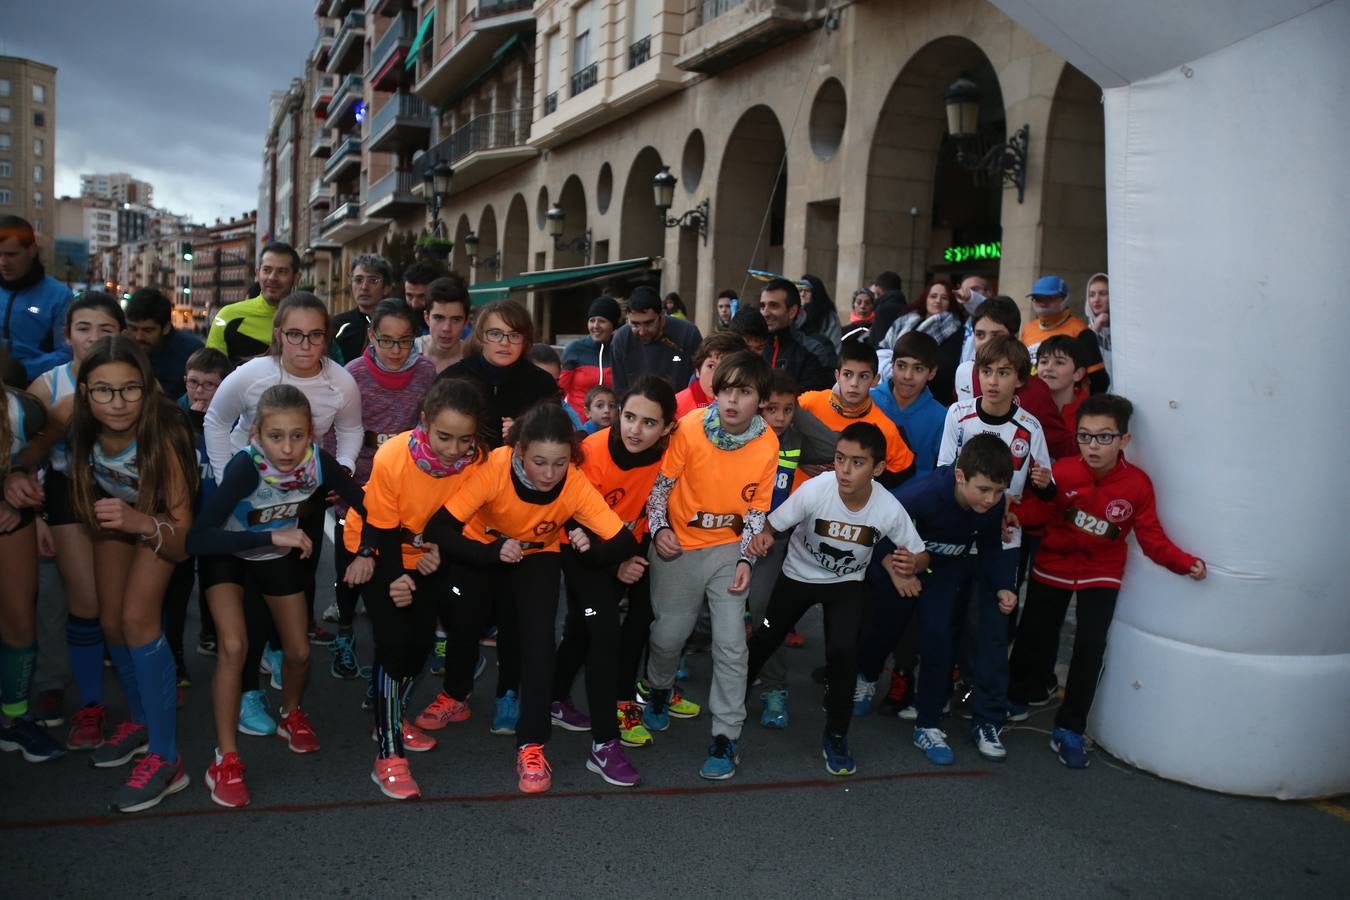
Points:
(28, 145)
(118, 187)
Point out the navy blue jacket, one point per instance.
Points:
(956, 536)
(169, 361)
(33, 324)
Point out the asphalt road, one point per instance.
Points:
(781, 828)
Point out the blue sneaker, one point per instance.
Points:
(24, 735)
(863, 692)
(775, 714)
(253, 717)
(369, 702)
(438, 656)
(478, 669)
(1068, 745)
(345, 664)
(838, 760)
(933, 743)
(681, 673)
(507, 714)
(271, 663)
(722, 759)
(656, 715)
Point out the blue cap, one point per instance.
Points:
(1049, 286)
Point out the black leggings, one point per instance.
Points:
(590, 636)
(842, 604)
(1037, 647)
(176, 598)
(475, 599)
(637, 627)
(346, 594)
(404, 635)
(261, 628)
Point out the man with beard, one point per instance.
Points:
(243, 330)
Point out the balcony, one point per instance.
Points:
(321, 145)
(639, 52)
(345, 57)
(584, 79)
(342, 107)
(550, 103)
(320, 193)
(385, 7)
(346, 157)
(485, 146)
(337, 225)
(732, 31)
(478, 36)
(392, 194)
(324, 86)
(323, 45)
(386, 60)
(402, 123)
(317, 240)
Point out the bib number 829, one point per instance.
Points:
(1090, 524)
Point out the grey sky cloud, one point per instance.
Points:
(174, 93)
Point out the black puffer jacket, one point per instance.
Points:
(808, 359)
(509, 390)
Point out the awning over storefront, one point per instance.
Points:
(422, 31)
(554, 279)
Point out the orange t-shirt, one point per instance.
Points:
(489, 506)
(400, 495)
(1033, 333)
(898, 455)
(714, 488)
(625, 490)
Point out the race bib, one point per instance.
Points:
(1089, 524)
(710, 521)
(845, 531)
(269, 514)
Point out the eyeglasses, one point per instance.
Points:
(102, 394)
(497, 336)
(388, 343)
(1106, 438)
(374, 280)
(199, 385)
(295, 337)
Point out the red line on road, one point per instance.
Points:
(699, 791)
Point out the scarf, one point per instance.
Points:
(938, 326)
(518, 469)
(626, 459)
(390, 379)
(721, 439)
(34, 276)
(304, 477)
(426, 460)
(1051, 324)
(857, 412)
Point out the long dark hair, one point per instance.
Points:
(458, 395)
(547, 422)
(299, 300)
(819, 309)
(163, 440)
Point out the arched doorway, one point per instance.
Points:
(748, 220)
(920, 201)
(515, 239)
(487, 245)
(640, 230)
(572, 202)
(1073, 186)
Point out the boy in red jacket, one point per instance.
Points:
(1099, 499)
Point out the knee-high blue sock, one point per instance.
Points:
(157, 677)
(84, 642)
(16, 675)
(126, 674)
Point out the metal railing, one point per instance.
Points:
(323, 137)
(550, 103)
(350, 145)
(351, 88)
(403, 105)
(584, 79)
(498, 7)
(399, 31)
(349, 209)
(318, 188)
(396, 182)
(507, 128)
(639, 52)
(711, 9)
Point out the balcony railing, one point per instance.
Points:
(322, 44)
(348, 209)
(402, 106)
(397, 182)
(350, 91)
(711, 9)
(498, 7)
(583, 79)
(320, 192)
(349, 37)
(343, 153)
(639, 52)
(322, 143)
(400, 33)
(551, 103)
(508, 128)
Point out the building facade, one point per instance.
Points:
(118, 187)
(28, 146)
(223, 264)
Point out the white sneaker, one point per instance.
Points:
(331, 613)
(909, 713)
(863, 692)
(985, 738)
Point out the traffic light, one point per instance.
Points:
(185, 248)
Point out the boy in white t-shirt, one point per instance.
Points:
(836, 518)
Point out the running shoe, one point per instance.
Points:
(1070, 748)
(655, 715)
(568, 717)
(985, 737)
(489, 638)
(1017, 712)
(1044, 698)
(86, 732)
(632, 733)
(319, 635)
(438, 657)
(901, 692)
(128, 740)
(863, 692)
(27, 738)
(184, 679)
(295, 730)
(206, 645)
(331, 614)
(153, 779)
(794, 639)
(722, 759)
(676, 705)
(415, 740)
(225, 781)
(838, 759)
(442, 710)
(775, 714)
(536, 775)
(933, 743)
(611, 763)
(395, 779)
(345, 665)
(253, 716)
(271, 663)
(49, 708)
(681, 673)
(506, 716)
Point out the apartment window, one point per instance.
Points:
(6, 170)
(39, 120)
(4, 114)
(553, 69)
(4, 87)
(4, 197)
(37, 225)
(39, 146)
(641, 14)
(37, 199)
(39, 173)
(584, 68)
(4, 141)
(39, 93)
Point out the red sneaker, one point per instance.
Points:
(87, 731)
(225, 780)
(295, 730)
(441, 712)
(415, 740)
(394, 778)
(536, 775)
(794, 639)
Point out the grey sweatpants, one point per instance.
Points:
(678, 589)
(52, 672)
(774, 673)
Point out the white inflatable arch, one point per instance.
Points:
(1228, 208)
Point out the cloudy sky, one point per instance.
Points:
(174, 93)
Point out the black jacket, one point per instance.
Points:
(349, 333)
(807, 358)
(509, 391)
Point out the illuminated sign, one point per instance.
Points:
(968, 252)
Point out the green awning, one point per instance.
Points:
(411, 61)
(553, 279)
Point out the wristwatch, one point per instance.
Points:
(366, 553)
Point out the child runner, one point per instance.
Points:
(446, 313)
(133, 476)
(392, 377)
(706, 359)
(622, 463)
(1059, 364)
(599, 409)
(709, 501)
(412, 476)
(513, 510)
(1099, 499)
(249, 536)
(835, 520)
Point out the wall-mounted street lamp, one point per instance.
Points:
(663, 190)
(436, 179)
(1006, 162)
(582, 244)
(491, 264)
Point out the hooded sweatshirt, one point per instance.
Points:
(1104, 335)
(33, 320)
(584, 365)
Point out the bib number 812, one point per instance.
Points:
(716, 520)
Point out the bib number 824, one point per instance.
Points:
(274, 513)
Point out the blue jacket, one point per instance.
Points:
(33, 325)
(920, 424)
(169, 361)
(957, 537)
